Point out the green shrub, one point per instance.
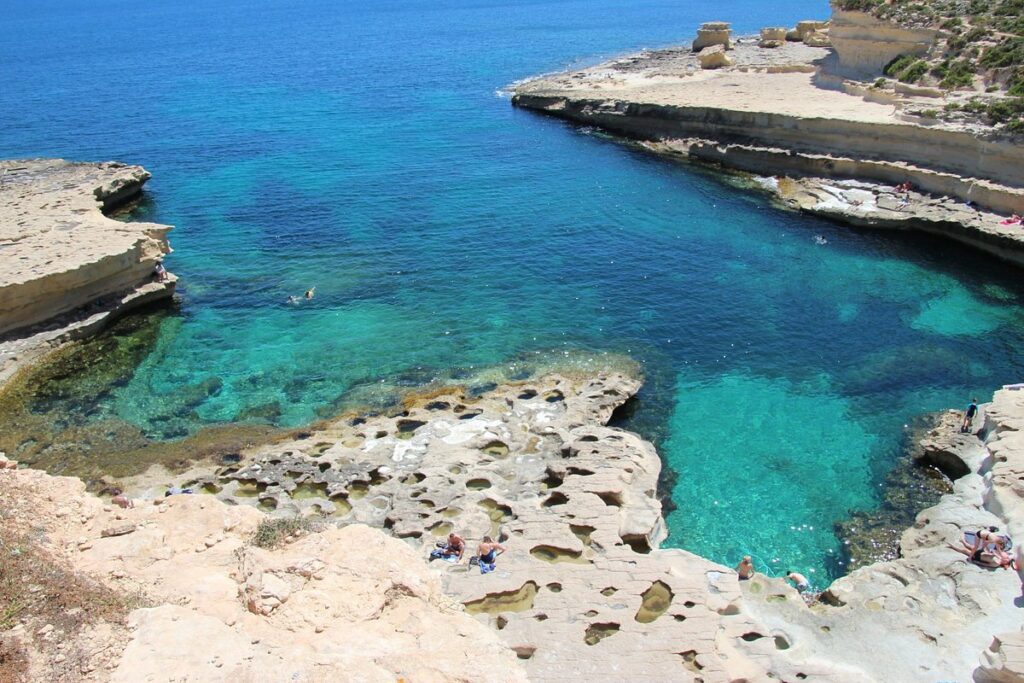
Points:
(1009, 52)
(915, 72)
(959, 74)
(880, 83)
(897, 65)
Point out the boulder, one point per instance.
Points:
(817, 39)
(772, 36)
(714, 57)
(713, 33)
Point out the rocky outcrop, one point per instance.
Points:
(713, 57)
(348, 604)
(713, 33)
(864, 45)
(773, 37)
(61, 253)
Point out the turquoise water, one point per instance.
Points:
(366, 149)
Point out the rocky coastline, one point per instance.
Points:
(584, 585)
(69, 269)
(796, 113)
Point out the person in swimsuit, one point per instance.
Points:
(977, 554)
(487, 552)
(745, 568)
(799, 580)
(972, 410)
(455, 547)
(310, 292)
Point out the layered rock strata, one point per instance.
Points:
(61, 253)
(769, 114)
(864, 44)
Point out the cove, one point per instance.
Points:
(445, 231)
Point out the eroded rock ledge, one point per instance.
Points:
(66, 266)
(584, 586)
(779, 112)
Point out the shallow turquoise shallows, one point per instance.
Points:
(367, 149)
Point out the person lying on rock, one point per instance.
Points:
(488, 551)
(454, 548)
(745, 568)
(120, 500)
(799, 580)
(977, 554)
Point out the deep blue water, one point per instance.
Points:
(364, 148)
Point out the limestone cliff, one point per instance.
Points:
(60, 252)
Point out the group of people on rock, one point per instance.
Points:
(986, 547)
(454, 548)
(745, 570)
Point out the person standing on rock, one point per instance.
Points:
(745, 568)
(972, 410)
(799, 580)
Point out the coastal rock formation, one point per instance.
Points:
(767, 114)
(805, 28)
(347, 604)
(713, 33)
(865, 44)
(60, 252)
(713, 57)
(772, 37)
(928, 615)
(582, 586)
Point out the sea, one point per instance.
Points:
(369, 149)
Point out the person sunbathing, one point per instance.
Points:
(454, 548)
(976, 554)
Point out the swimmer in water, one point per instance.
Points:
(309, 292)
(293, 299)
(820, 239)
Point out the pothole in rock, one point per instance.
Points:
(406, 428)
(583, 532)
(655, 601)
(358, 489)
(510, 601)
(610, 498)
(497, 513)
(248, 488)
(638, 543)
(554, 396)
(552, 480)
(524, 651)
(554, 499)
(496, 449)
(609, 591)
(690, 660)
(550, 553)
(595, 633)
(527, 394)
(478, 484)
(440, 529)
(438, 405)
(341, 505)
(307, 490)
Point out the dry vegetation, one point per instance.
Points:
(52, 603)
